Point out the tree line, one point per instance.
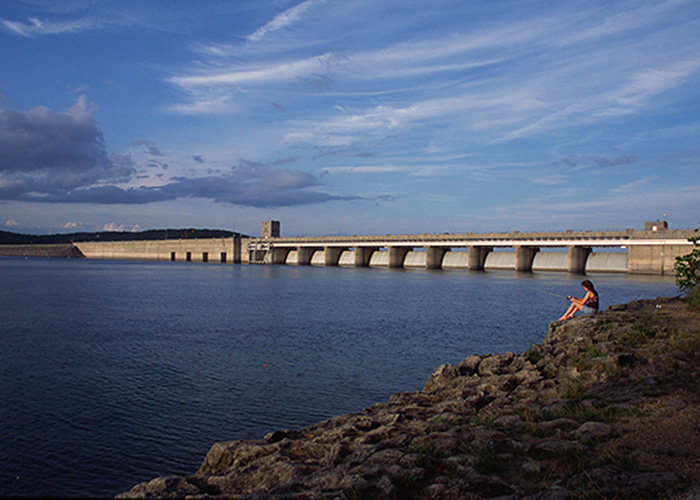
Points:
(9, 238)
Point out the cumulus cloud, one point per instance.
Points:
(40, 138)
(260, 188)
(48, 156)
(43, 152)
(114, 227)
(249, 184)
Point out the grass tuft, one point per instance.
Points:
(575, 389)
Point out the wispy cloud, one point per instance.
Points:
(417, 170)
(274, 72)
(615, 162)
(284, 19)
(475, 80)
(630, 16)
(608, 210)
(75, 17)
(369, 169)
(649, 82)
(37, 27)
(205, 103)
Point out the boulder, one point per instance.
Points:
(441, 378)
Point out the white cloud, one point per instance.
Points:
(420, 170)
(75, 17)
(632, 16)
(268, 73)
(642, 185)
(369, 169)
(205, 104)
(504, 81)
(549, 180)
(285, 19)
(635, 202)
(37, 27)
(650, 82)
(115, 227)
(318, 139)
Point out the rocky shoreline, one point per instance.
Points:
(608, 406)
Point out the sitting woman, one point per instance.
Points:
(588, 304)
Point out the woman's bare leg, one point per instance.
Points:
(574, 308)
(569, 312)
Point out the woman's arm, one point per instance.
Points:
(582, 301)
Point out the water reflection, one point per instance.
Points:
(117, 372)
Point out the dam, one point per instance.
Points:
(649, 251)
(652, 250)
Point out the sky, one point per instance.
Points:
(349, 116)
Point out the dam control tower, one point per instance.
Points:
(270, 229)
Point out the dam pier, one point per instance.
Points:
(652, 250)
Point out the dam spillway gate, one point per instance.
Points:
(650, 251)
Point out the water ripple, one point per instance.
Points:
(112, 373)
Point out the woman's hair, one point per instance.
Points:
(588, 286)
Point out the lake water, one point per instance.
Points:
(113, 372)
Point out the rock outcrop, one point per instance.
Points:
(606, 407)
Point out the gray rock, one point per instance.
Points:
(441, 378)
(594, 431)
(562, 424)
(470, 365)
(494, 365)
(163, 487)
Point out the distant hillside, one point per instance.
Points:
(8, 238)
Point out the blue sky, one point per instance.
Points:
(349, 117)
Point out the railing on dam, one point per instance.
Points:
(634, 251)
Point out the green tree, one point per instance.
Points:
(687, 267)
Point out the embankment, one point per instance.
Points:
(66, 251)
(608, 406)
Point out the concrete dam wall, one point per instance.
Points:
(616, 262)
(215, 250)
(63, 251)
(651, 251)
